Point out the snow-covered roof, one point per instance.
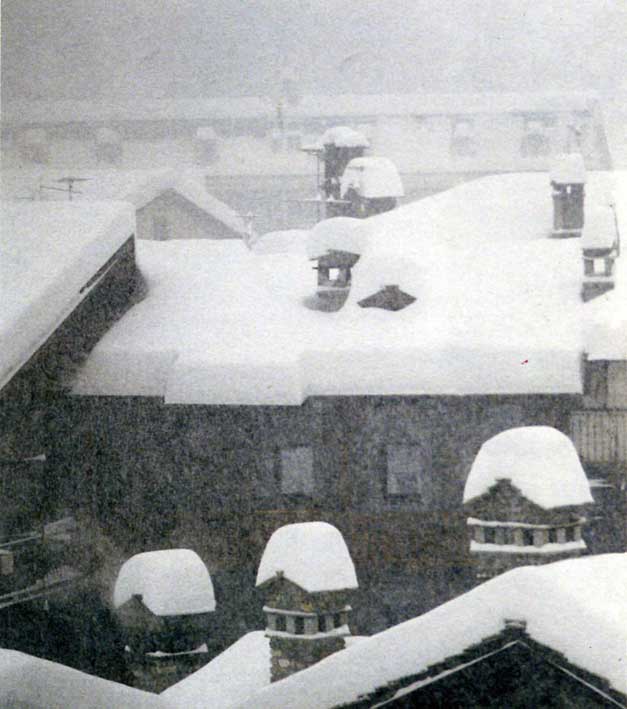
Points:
(568, 169)
(231, 677)
(372, 177)
(170, 581)
(576, 607)
(139, 187)
(344, 137)
(313, 555)
(50, 251)
(312, 105)
(336, 234)
(27, 681)
(538, 460)
(222, 324)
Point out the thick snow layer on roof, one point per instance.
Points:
(139, 187)
(312, 555)
(576, 607)
(358, 105)
(32, 683)
(372, 178)
(568, 169)
(599, 231)
(344, 137)
(336, 234)
(50, 251)
(281, 242)
(498, 308)
(538, 460)
(171, 582)
(231, 677)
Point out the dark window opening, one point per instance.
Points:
(489, 534)
(280, 623)
(321, 624)
(570, 534)
(552, 536)
(299, 625)
(337, 620)
(528, 537)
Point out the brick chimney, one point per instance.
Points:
(568, 177)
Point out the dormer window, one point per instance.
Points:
(388, 298)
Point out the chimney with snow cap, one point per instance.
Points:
(524, 498)
(568, 177)
(308, 576)
(600, 247)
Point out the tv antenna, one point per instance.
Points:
(69, 189)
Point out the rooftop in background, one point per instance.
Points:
(224, 325)
(324, 106)
(577, 608)
(540, 461)
(51, 252)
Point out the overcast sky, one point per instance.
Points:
(109, 48)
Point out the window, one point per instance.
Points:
(280, 623)
(322, 626)
(405, 471)
(299, 625)
(297, 471)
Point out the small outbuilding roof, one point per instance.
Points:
(313, 555)
(170, 581)
(539, 460)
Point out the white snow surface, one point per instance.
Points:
(171, 581)
(538, 460)
(568, 169)
(223, 324)
(28, 682)
(344, 137)
(372, 177)
(139, 187)
(549, 548)
(606, 315)
(49, 253)
(231, 677)
(313, 555)
(576, 607)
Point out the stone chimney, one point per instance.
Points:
(600, 247)
(511, 520)
(568, 177)
(307, 607)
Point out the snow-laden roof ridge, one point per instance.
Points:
(577, 608)
(540, 461)
(313, 555)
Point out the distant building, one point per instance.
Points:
(427, 133)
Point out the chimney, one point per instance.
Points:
(599, 248)
(341, 144)
(568, 177)
(306, 601)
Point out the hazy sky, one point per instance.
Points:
(105, 48)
